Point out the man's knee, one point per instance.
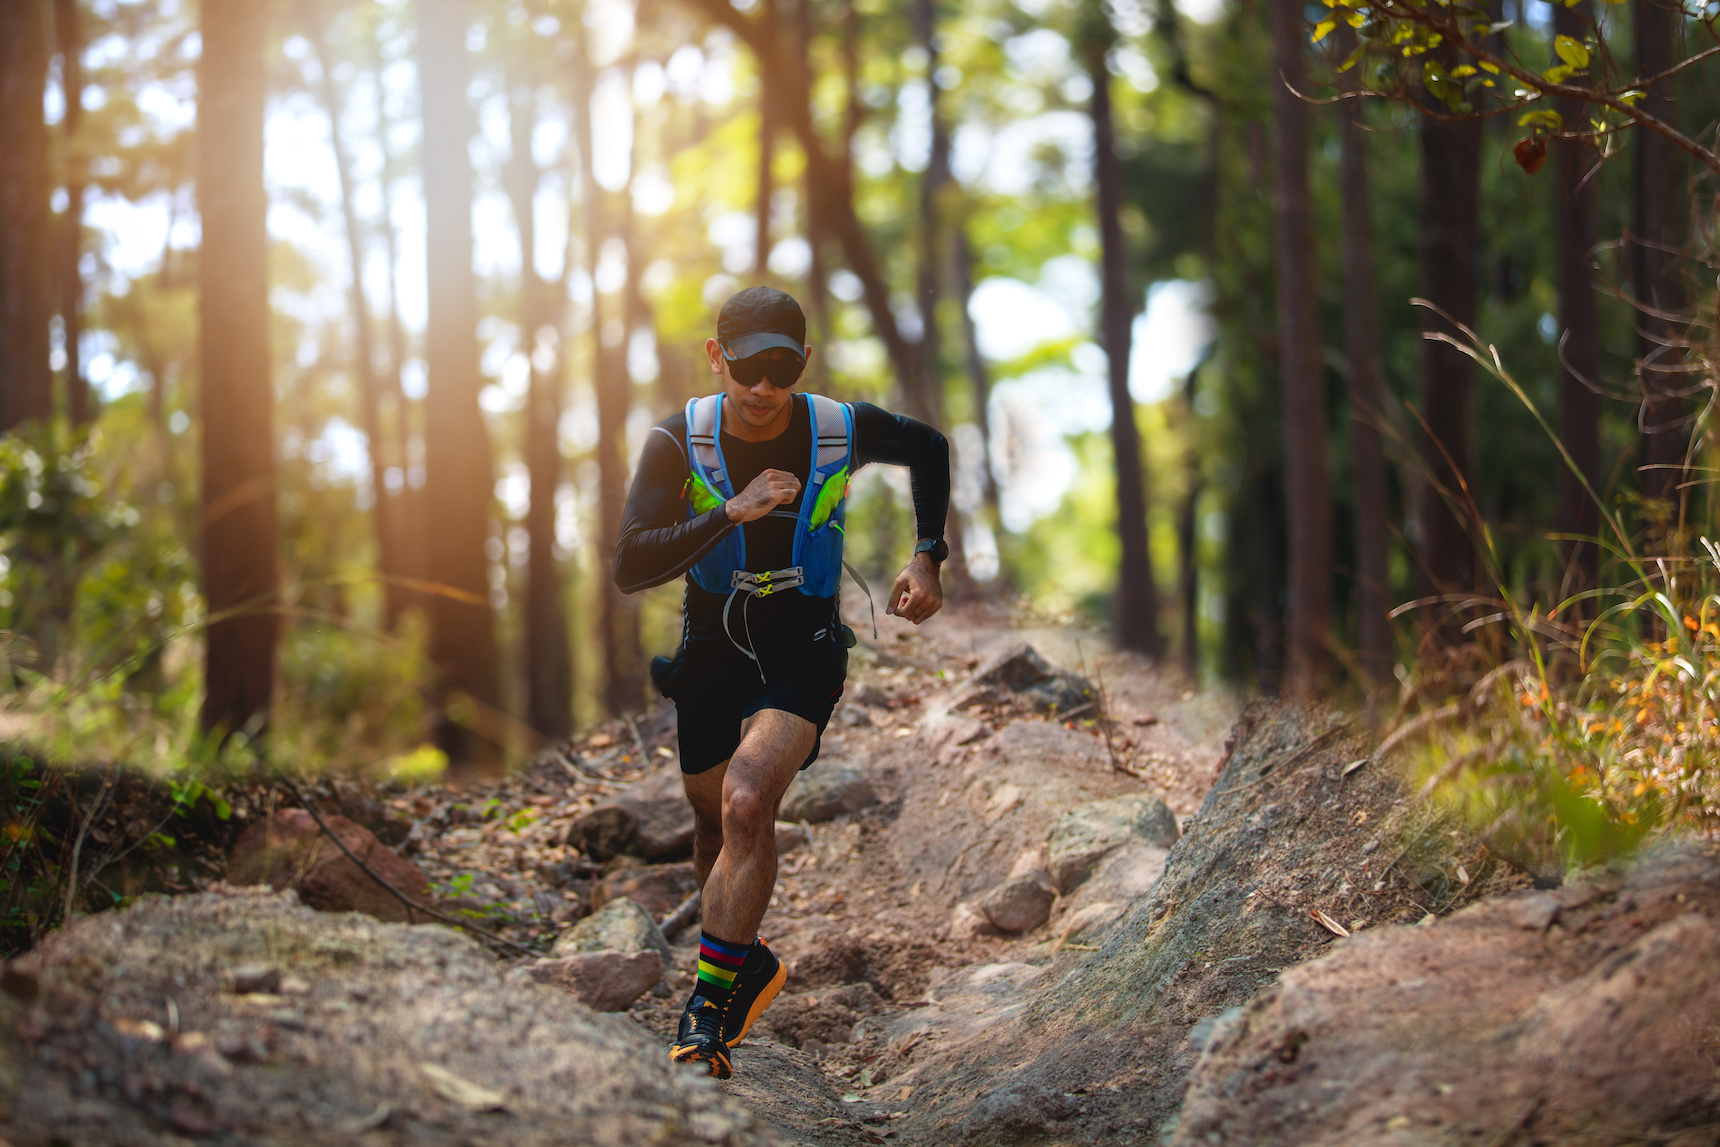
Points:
(748, 812)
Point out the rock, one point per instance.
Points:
(436, 1006)
(1100, 914)
(939, 730)
(1535, 913)
(1020, 669)
(976, 697)
(1013, 667)
(651, 827)
(853, 717)
(619, 926)
(826, 791)
(604, 831)
(1060, 693)
(289, 850)
(1132, 995)
(658, 888)
(248, 978)
(789, 836)
(1019, 904)
(603, 981)
(1031, 860)
(1083, 836)
(967, 922)
(1477, 1028)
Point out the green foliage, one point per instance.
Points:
(349, 697)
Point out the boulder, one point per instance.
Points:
(288, 850)
(826, 791)
(419, 1028)
(619, 926)
(658, 888)
(1486, 1028)
(1060, 693)
(1014, 667)
(1019, 904)
(1020, 669)
(967, 922)
(650, 827)
(1083, 836)
(604, 981)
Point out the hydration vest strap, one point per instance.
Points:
(867, 590)
(767, 583)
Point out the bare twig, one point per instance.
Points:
(678, 920)
(411, 905)
(96, 810)
(638, 741)
(1104, 713)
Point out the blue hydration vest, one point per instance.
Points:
(816, 565)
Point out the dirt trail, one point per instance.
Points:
(1185, 990)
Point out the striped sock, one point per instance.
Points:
(719, 963)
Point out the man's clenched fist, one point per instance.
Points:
(763, 494)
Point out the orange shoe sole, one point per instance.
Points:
(716, 1061)
(764, 1000)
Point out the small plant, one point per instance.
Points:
(1589, 736)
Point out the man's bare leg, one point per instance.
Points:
(734, 809)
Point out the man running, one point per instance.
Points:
(743, 492)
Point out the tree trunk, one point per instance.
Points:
(766, 158)
(1450, 235)
(1366, 400)
(979, 378)
(1188, 560)
(925, 398)
(830, 189)
(403, 441)
(370, 385)
(1574, 211)
(68, 25)
(623, 683)
(1308, 488)
(460, 477)
(548, 657)
(26, 221)
(240, 546)
(1137, 608)
(1660, 229)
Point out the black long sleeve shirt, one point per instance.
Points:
(659, 542)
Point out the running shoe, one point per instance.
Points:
(700, 1038)
(761, 978)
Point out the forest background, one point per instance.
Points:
(331, 331)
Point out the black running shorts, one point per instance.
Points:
(715, 687)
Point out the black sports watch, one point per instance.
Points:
(937, 547)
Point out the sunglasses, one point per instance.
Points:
(781, 373)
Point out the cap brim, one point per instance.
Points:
(745, 346)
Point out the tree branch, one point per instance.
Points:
(411, 905)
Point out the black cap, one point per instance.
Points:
(759, 318)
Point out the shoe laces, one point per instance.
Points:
(706, 1017)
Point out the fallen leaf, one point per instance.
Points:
(1329, 924)
(471, 1096)
(142, 1029)
(1354, 765)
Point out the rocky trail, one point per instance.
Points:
(1006, 920)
